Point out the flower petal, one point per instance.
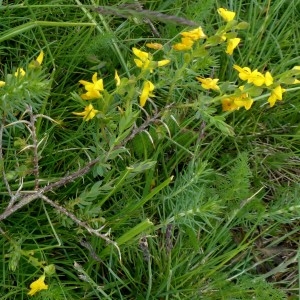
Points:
(231, 45)
(227, 15)
(140, 54)
(155, 46)
(37, 286)
(40, 58)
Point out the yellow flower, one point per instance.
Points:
(2, 83)
(40, 58)
(244, 73)
(276, 94)
(195, 34)
(231, 45)
(257, 78)
(243, 100)
(88, 113)
(163, 62)
(227, 15)
(236, 102)
(142, 55)
(155, 46)
(186, 44)
(268, 79)
(36, 63)
(228, 104)
(93, 88)
(20, 72)
(148, 88)
(37, 286)
(296, 81)
(117, 78)
(254, 77)
(208, 83)
(240, 102)
(145, 62)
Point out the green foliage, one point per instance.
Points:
(167, 199)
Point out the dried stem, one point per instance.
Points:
(29, 197)
(2, 159)
(80, 223)
(39, 193)
(35, 148)
(129, 10)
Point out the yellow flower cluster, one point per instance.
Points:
(259, 79)
(188, 39)
(145, 62)
(242, 96)
(93, 90)
(209, 83)
(20, 72)
(254, 77)
(232, 103)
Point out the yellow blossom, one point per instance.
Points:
(195, 34)
(163, 62)
(37, 286)
(145, 62)
(155, 46)
(117, 78)
(142, 55)
(268, 79)
(254, 77)
(246, 103)
(20, 72)
(186, 44)
(209, 83)
(227, 15)
(88, 113)
(93, 88)
(296, 81)
(276, 94)
(243, 100)
(236, 102)
(37, 62)
(40, 58)
(231, 45)
(2, 83)
(148, 88)
(228, 104)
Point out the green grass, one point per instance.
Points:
(189, 210)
